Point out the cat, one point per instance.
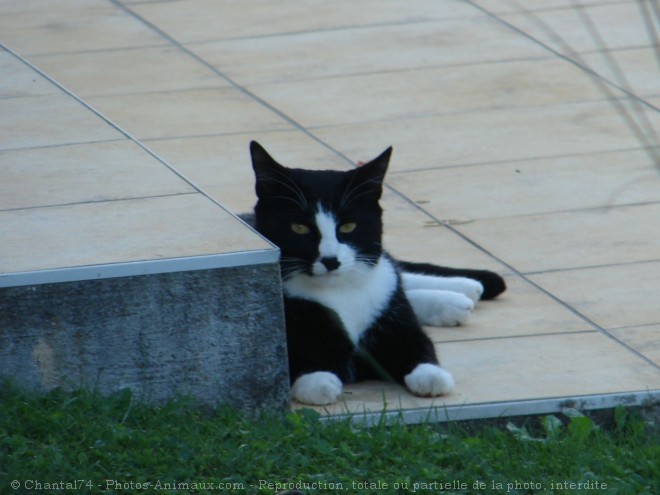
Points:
(352, 311)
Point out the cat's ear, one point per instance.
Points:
(261, 160)
(370, 176)
(266, 170)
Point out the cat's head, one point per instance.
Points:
(326, 223)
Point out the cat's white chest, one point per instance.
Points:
(358, 298)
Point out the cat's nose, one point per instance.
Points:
(331, 263)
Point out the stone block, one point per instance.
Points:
(217, 335)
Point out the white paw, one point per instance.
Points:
(440, 308)
(468, 287)
(318, 388)
(429, 380)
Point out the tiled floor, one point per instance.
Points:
(123, 125)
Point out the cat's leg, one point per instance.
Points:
(463, 285)
(319, 352)
(440, 308)
(493, 284)
(318, 388)
(404, 353)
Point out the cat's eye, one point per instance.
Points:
(347, 228)
(300, 228)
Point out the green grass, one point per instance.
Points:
(116, 445)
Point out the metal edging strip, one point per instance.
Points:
(138, 268)
(439, 413)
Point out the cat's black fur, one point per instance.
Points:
(394, 343)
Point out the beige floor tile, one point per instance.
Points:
(221, 165)
(655, 101)
(620, 25)
(370, 397)
(522, 310)
(187, 113)
(488, 135)
(613, 296)
(134, 70)
(72, 26)
(36, 7)
(49, 120)
(572, 239)
(411, 235)
(644, 339)
(119, 232)
(544, 366)
(462, 194)
(209, 20)
(83, 173)
(382, 49)
(518, 369)
(639, 66)
(18, 79)
(406, 94)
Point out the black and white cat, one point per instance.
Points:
(353, 312)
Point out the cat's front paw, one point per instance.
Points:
(429, 380)
(440, 308)
(319, 388)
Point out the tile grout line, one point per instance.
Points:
(332, 29)
(503, 161)
(587, 209)
(402, 70)
(59, 145)
(591, 267)
(418, 116)
(97, 202)
(640, 326)
(507, 337)
(93, 50)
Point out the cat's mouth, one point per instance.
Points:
(329, 268)
(326, 273)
